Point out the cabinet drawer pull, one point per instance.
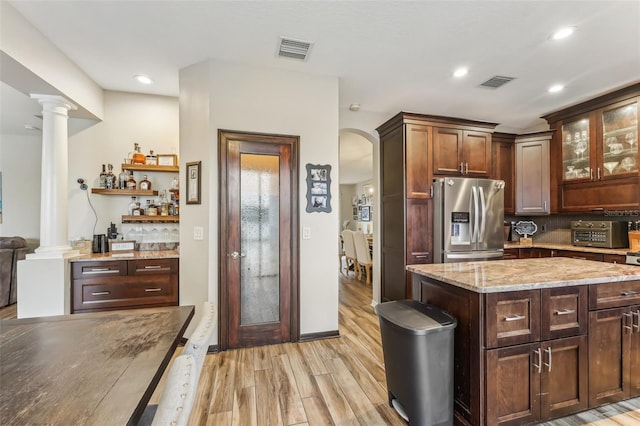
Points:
(539, 366)
(578, 257)
(153, 267)
(629, 293)
(151, 290)
(566, 312)
(100, 293)
(100, 271)
(515, 318)
(420, 256)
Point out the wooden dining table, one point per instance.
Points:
(96, 368)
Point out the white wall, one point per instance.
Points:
(262, 100)
(20, 159)
(149, 120)
(347, 192)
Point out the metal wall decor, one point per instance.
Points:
(318, 188)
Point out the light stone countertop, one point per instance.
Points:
(135, 255)
(526, 274)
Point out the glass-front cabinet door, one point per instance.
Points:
(620, 139)
(576, 149)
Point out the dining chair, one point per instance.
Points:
(179, 393)
(363, 255)
(198, 343)
(350, 251)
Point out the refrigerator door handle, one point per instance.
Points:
(474, 234)
(483, 223)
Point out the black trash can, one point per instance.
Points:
(417, 343)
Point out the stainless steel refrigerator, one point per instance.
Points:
(468, 217)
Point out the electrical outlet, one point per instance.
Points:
(306, 233)
(543, 227)
(198, 233)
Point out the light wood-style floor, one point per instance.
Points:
(336, 381)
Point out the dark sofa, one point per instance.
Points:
(12, 249)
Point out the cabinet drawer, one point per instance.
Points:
(579, 255)
(512, 318)
(82, 270)
(564, 312)
(614, 258)
(153, 266)
(613, 295)
(99, 294)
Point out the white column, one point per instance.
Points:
(54, 198)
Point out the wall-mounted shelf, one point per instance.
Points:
(149, 168)
(150, 219)
(129, 192)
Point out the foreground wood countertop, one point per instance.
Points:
(526, 274)
(135, 255)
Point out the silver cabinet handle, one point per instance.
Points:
(636, 326)
(466, 168)
(629, 293)
(548, 351)
(153, 267)
(420, 256)
(599, 174)
(539, 366)
(461, 168)
(100, 271)
(545, 206)
(100, 293)
(566, 312)
(515, 318)
(627, 315)
(152, 290)
(591, 174)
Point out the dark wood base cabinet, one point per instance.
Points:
(529, 356)
(124, 284)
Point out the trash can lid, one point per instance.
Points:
(415, 317)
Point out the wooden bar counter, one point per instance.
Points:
(537, 339)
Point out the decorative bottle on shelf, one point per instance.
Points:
(111, 178)
(131, 182)
(164, 205)
(103, 177)
(144, 184)
(123, 177)
(133, 205)
(152, 159)
(152, 210)
(135, 156)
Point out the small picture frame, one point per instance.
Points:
(365, 214)
(318, 188)
(193, 182)
(167, 160)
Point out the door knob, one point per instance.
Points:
(235, 255)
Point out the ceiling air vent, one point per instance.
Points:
(496, 81)
(292, 48)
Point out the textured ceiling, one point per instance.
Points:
(389, 56)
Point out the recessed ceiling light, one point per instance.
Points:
(563, 33)
(460, 72)
(354, 107)
(144, 79)
(556, 88)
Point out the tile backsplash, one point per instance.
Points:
(557, 228)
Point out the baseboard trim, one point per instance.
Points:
(212, 349)
(318, 336)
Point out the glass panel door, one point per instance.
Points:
(259, 239)
(620, 139)
(575, 150)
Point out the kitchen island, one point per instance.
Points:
(537, 339)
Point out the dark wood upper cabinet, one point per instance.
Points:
(458, 152)
(417, 161)
(503, 166)
(594, 154)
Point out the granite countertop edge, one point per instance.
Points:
(520, 274)
(136, 255)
